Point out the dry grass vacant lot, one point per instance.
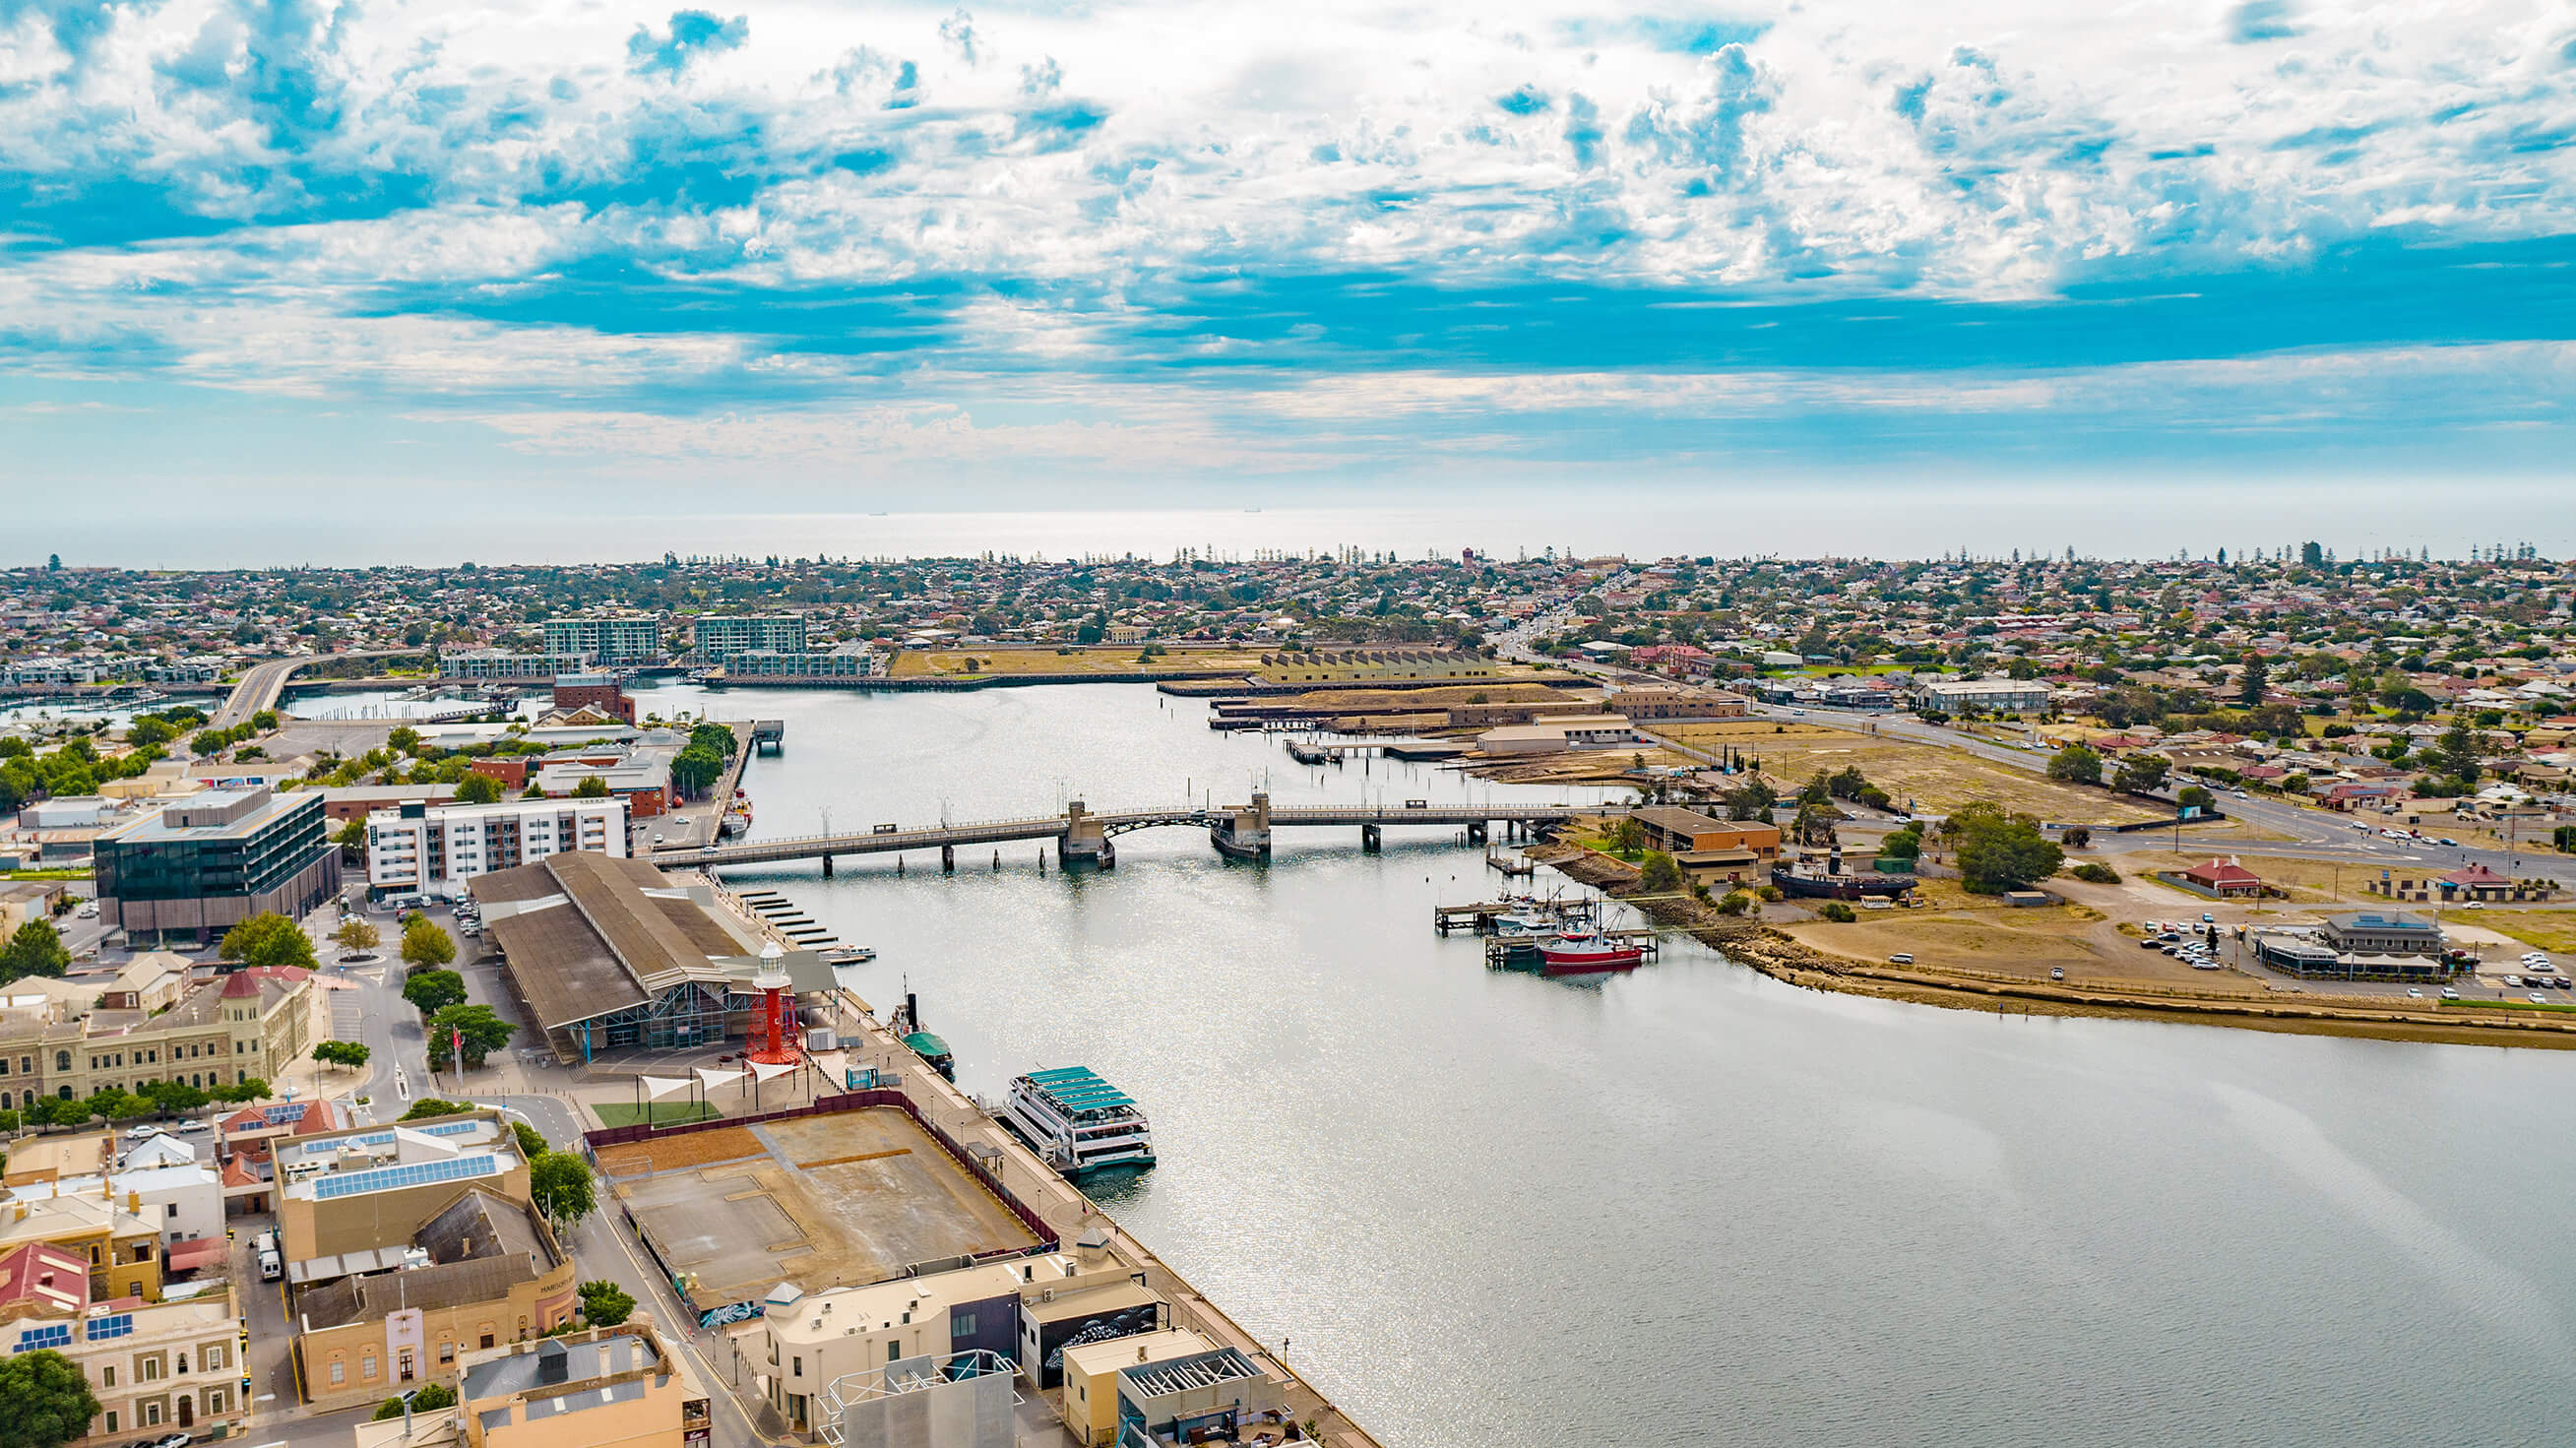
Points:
(1937, 780)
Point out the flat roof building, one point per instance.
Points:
(604, 1387)
(1988, 696)
(194, 869)
(719, 636)
(607, 639)
(436, 850)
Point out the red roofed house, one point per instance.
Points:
(2225, 879)
(2477, 882)
(43, 1280)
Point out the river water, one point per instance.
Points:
(1689, 1206)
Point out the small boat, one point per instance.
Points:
(1588, 952)
(1525, 923)
(1079, 1122)
(849, 955)
(933, 1052)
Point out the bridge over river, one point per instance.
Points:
(1084, 837)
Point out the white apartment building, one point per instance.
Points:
(434, 849)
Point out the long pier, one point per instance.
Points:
(1083, 836)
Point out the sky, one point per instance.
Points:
(366, 259)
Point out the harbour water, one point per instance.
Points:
(1688, 1206)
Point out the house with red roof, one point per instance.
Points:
(2225, 879)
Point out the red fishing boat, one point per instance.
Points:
(1587, 952)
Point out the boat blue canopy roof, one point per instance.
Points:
(1079, 1088)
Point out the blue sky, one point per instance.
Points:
(933, 256)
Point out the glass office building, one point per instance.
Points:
(205, 864)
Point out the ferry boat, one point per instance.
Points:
(1587, 952)
(1079, 1122)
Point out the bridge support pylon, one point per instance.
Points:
(1478, 832)
(1370, 838)
(1084, 842)
(948, 859)
(827, 867)
(1243, 834)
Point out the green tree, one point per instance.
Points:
(249, 1088)
(268, 939)
(209, 741)
(352, 838)
(403, 740)
(1836, 911)
(1660, 874)
(532, 1143)
(2141, 774)
(1627, 837)
(265, 721)
(148, 730)
(714, 737)
(35, 949)
(175, 1097)
(483, 1032)
(2192, 796)
(120, 1105)
(1999, 851)
(560, 1185)
(696, 768)
(429, 1108)
(432, 991)
(2256, 682)
(1734, 902)
(604, 1303)
(356, 933)
(591, 787)
(2456, 754)
(45, 1400)
(478, 789)
(427, 1398)
(352, 1054)
(426, 946)
(2076, 764)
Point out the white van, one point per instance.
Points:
(271, 1267)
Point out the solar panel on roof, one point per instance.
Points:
(452, 1128)
(392, 1178)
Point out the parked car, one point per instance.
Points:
(2416, 995)
(2513, 981)
(1900, 958)
(192, 1128)
(2056, 972)
(2449, 994)
(2538, 999)
(144, 1132)
(2449, 842)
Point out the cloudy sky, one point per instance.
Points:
(816, 255)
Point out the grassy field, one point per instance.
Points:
(664, 1113)
(2546, 929)
(1935, 779)
(1121, 659)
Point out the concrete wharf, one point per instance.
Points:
(1018, 1175)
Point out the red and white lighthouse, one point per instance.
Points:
(775, 1032)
